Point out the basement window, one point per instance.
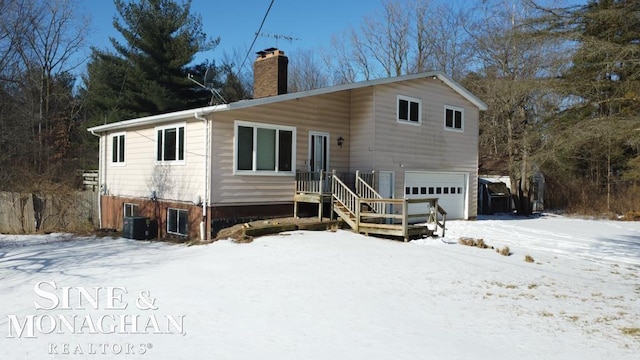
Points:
(453, 118)
(130, 210)
(177, 221)
(117, 149)
(409, 110)
(263, 149)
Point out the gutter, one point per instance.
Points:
(205, 200)
(100, 171)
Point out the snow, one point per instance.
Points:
(333, 295)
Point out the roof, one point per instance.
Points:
(180, 115)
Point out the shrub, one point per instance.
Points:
(504, 251)
(528, 259)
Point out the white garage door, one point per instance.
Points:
(449, 188)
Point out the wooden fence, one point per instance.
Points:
(30, 213)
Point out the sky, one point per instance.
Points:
(311, 23)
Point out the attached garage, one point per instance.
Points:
(449, 188)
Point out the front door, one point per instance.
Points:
(318, 151)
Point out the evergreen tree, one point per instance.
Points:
(147, 74)
(593, 139)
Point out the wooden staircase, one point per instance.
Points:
(361, 207)
(367, 212)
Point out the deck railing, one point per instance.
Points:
(313, 182)
(344, 195)
(365, 190)
(432, 215)
(383, 216)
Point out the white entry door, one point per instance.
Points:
(318, 151)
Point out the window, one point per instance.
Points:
(177, 221)
(170, 142)
(453, 118)
(265, 149)
(117, 148)
(130, 209)
(409, 110)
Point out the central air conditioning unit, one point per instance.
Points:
(139, 228)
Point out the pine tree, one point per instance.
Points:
(147, 73)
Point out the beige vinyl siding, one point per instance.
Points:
(141, 174)
(400, 147)
(361, 143)
(325, 113)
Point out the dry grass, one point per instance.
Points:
(545, 313)
(479, 243)
(528, 259)
(504, 251)
(632, 331)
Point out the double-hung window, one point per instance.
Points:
(264, 149)
(170, 143)
(409, 110)
(177, 221)
(117, 149)
(130, 209)
(453, 118)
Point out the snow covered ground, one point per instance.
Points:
(324, 295)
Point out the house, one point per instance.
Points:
(193, 170)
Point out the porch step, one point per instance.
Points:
(345, 214)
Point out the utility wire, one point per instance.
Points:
(254, 39)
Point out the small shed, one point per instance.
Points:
(493, 196)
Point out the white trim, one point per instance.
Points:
(132, 205)
(256, 172)
(176, 126)
(409, 99)
(178, 224)
(110, 138)
(186, 114)
(454, 109)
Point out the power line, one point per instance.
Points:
(254, 39)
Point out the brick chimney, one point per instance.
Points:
(270, 73)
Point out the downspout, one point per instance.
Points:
(205, 200)
(100, 171)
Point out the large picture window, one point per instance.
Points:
(453, 118)
(409, 110)
(170, 141)
(177, 221)
(117, 148)
(264, 149)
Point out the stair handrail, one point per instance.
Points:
(442, 212)
(364, 190)
(341, 193)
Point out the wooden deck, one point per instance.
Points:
(364, 210)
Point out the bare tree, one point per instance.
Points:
(405, 37)
(306, 72)
(39, 46)
(512, 66)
